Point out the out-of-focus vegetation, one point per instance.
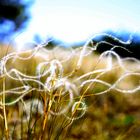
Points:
(129, 41)
(14, 16)
(113, 115)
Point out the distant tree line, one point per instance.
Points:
(131, 45)
(13, 16)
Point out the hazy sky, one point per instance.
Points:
(76, 20)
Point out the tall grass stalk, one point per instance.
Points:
(4, 110)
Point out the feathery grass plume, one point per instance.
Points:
(50, 89)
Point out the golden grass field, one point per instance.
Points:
(71, 109)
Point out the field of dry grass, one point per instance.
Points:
(51, 97)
